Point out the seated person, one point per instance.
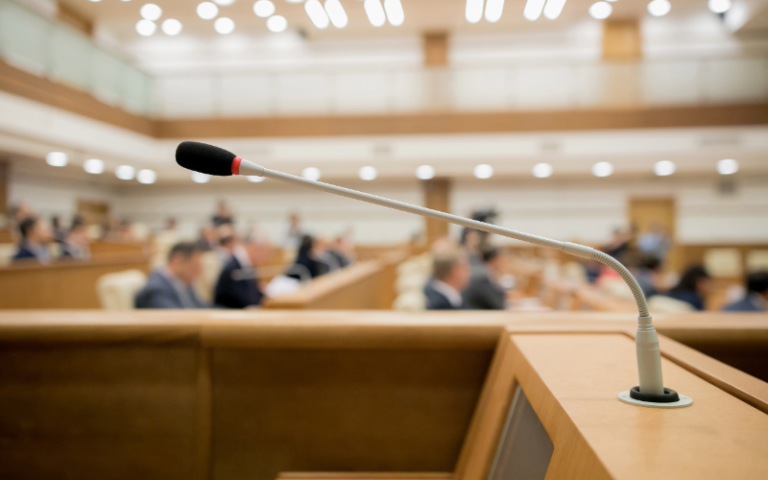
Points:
(756, 298)
(451, 272)
(484, 291)
(76, 244)
(171, 286)
(238, 284)
(305, 267)
(35, 237)
(692, 288)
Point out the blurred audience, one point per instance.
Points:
(223, 215)
(692, 287)
(648, 274)
(756, 296)
(208, 239)
(35, 237)
(655, 243)
(238, 285)
(306, 266)
(450, 276)
(342, 251)
(294, 232)
(57, 231)
(171, 286)
(484, 291)
(76, 243)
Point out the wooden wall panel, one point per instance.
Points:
(437, 196)
(622, 39)
(436, 49)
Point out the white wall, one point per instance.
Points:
(48, 196)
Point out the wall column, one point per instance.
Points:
(437, 196)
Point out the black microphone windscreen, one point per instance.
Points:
(204, 158)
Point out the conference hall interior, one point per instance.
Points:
(384, 239)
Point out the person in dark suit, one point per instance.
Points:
(756, 298)
(35, 237)
(238, 284)
(305, 267)
(450, 276)
(75, 244)
(484, 292)
(171, 286)
(692, 287)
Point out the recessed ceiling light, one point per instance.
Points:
(664, 168)
(207, 10)
(317, 14)
(171, 27)
(368, 173)
(145, 27)
(719, 6)
(375, 12)
(602, 169)
(473, 11)
(146, 176)
(224, 3)
(394, 11)
(198, 177)
(600, 10)
(311, 173)
(263, 8)
(125, 172)
(94, 1)
(483, 171)
(659, 8)
(553, 8)
(57, 159)
(151, 11)
(425, 172)
(294, 1)
(727, 167)
(493, 9)
(542, 170)
(532, 9)
(94, 166)
(336, 13)
(255, 178)
(277, 23)
(224, 25)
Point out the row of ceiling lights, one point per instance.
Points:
(661, 168)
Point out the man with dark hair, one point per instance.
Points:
(238, 284)
(756, 298)
(171, 286)
(450, 275)
(35, 237)
(76, 244)
(484, 291)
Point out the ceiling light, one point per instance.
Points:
(664, 168)
(727, 167)
(394, 11)
(94, 1)
(145, 27)
(294, 1)
(224, 3)
(207, 10)
(94, 166)
(146, 176)
(224, 25)
(57, 159)
(425, 172)
(316, 13)
(255, 178)
(553, 8)
(151, 11)
(719, 6)
(600, 10)
(171, 27)
(198, 177)
(483, 171)
(602, 169)
(474, 10)
(659, 8)
(542, 170)
(277, 23)
(311, 173)
(493, 10)
(125, 172)
(367, 173)
(263, 8)
(532, 9)
(375, 12)
(336, 13)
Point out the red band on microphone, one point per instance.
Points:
(236, 166)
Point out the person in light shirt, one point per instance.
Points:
(451, 274)
(171, 286)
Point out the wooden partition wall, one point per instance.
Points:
(251, 395)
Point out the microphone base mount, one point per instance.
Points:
(669, 399)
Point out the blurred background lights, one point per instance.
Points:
(224, 3)
(171, 27)
(602, 169)
(542, 170)
(125, 172)
(727, 166)
(600, 10)
(719, 6)
(146, 176)
(57, 159)
(207, 10)
(146, 27)
(151, 11)
(198, 177)
(311, 173)
(277, 23)
(367, 173)
(263, 8)
(255, 178)
(224, 25)
(659, 8)
(483, 171)
(425, 172)
(664, 168)
(94, 166)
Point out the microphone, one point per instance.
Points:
(212, 160)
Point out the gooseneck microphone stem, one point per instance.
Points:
(646, 340)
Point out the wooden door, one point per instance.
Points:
(437, 196)
(644, 213)
(94, 213)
